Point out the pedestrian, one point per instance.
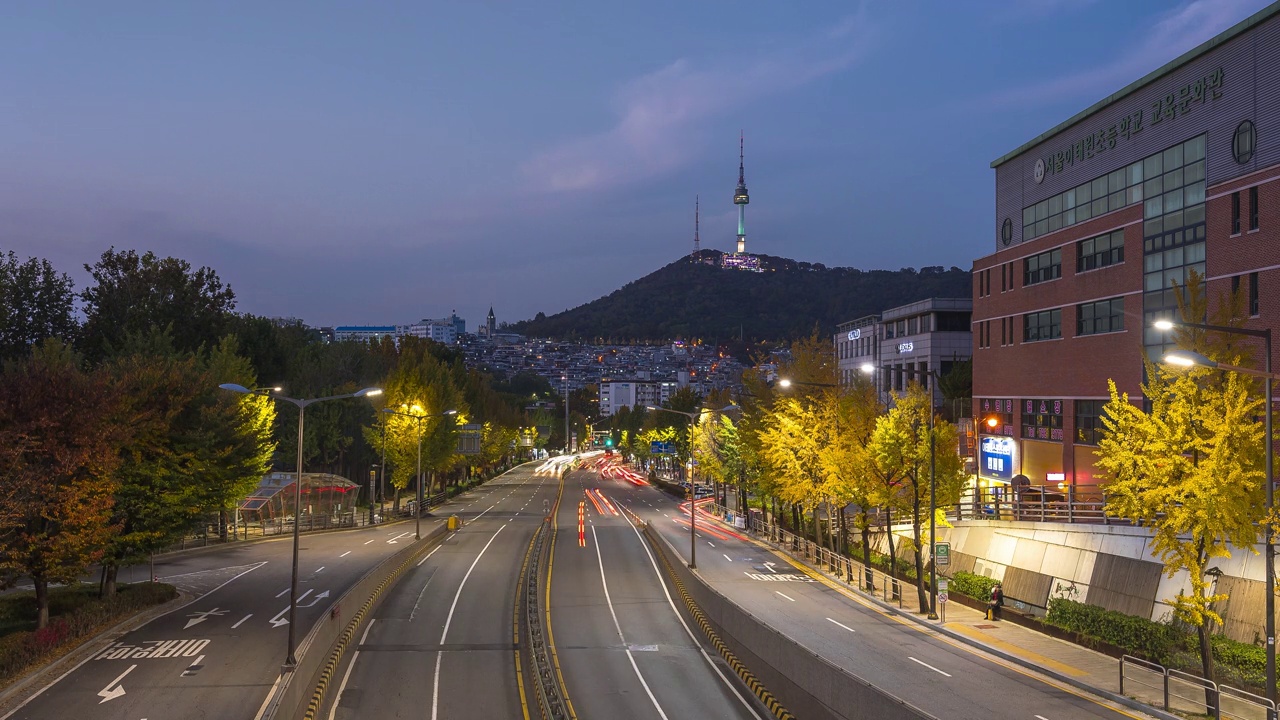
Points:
(997, 601)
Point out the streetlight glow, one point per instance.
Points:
(1187, 359)
(784, 382)
(867, 368)
(1163, 325)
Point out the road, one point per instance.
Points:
(624, 648)
(218, 657)
(940, 676)
(440, 644)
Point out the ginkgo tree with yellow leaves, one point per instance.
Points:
(1191, 469)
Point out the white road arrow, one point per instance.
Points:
(279, 619)
(114, 689)
(396, 540)
(197, 618)
(317, 599)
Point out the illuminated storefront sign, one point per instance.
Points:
(855, 334)
(906, 347)
(997, 457)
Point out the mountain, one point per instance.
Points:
(695, 298)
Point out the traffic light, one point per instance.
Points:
(608, 442)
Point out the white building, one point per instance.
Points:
(615, 395)
(363, 333)
(442, 331)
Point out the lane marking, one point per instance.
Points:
(347, 675)
(345, 554)
(726, 557)
(789, 598)
(1041, 717)
(435, 686)
(238, 624)
(320, 569)
(846, 627)
(373, 540)
(113, 689)
(921, 662)
(428, 555)
(283, 592)
(711, 543)
(193, 668)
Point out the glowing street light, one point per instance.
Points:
(418, 417)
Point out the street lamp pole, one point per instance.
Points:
(693, 496)
(291, 661)
(1190, 358)
(417, 511)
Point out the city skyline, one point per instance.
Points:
(357, 150)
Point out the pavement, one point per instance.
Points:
(955, 675)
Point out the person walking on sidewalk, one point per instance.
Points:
(997, 601)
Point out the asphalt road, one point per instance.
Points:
(945, 678)
(624, 649)
(440, 644)
(218, 657)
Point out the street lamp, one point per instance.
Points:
(693, 498)
(868, 368)
(417, 511)
(1188, 358)
(291, 662)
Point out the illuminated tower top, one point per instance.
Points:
(740, 196)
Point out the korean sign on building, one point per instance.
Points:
(997, 457)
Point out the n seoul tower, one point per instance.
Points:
(741, 199)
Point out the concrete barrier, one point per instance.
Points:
(298, 694)
(810, 686)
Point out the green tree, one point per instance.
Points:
(848, 463)
(61, 447)
(133, 293)
(36, 302)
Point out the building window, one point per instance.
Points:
(1089, 427)
(1173, 233)
(999, 410)
(1253, 294)
(1101, 251)
(1112, 191)
(1042, 419)
(1103, 316)
(1006, 231)
(1243, 144)
(1235, 213)
(1253, 208)
(1044, 325)
(1042, 268)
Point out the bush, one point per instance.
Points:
(977, 587)
(75, 614)
(1245, 661)
(1145, 638)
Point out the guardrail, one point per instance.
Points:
(870, 580)
(1218, 700)
(1034, 504)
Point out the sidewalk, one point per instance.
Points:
(1087, 670)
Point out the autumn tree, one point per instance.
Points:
(36, 302)
(60, 448)
(1191, 469)
(848, 463)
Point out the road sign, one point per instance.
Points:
(942, 554)
(943, 586)
(662, 448)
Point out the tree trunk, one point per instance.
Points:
(795, 520)
(222, 525)
(888, 528)
(42, 600)
(109, 585)
(865, 522)
(844, 534)
(817, 526)
(1206, 664)
(921, 594)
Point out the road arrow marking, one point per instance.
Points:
(197, 618)
(114, 689)
(396, 540)
(317, 599)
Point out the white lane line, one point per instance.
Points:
(789, 598)
(1041, 717)
(424, 557)
(345, 554)
(928, 666)
(283, 592)
(373, 540)
(246, 617)
(320, 570)
(347, 675)
(672, 604)
(448, 620)
(726, 557)
(189, 671)
(482, 514)
(837, 622)
(605, 583)
(711, 543)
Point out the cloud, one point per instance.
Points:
(659, 113)
(1172, 34)
(1033, 10)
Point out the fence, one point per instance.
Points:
(1038, 504)
(873, 581)
(1219, 700)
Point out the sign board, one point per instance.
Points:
(997, 457)
(942, 554)
(906, 347)
(662, 448)
(943, 586)
(469, 439)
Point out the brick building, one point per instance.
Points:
(1096, 218)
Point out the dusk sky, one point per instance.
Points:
(378, 163)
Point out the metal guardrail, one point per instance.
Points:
(1037, 504)
(1210, 695)
(870, 580)
(550, 702)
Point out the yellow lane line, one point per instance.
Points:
(551, 638)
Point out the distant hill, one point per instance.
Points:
(695, 298)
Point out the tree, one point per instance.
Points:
(61, 448)
(793, 441)
(1191, 468)
(36, 302)
(848, 463)
(133, 293)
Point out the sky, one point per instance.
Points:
(384, 162)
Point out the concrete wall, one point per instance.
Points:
(1106, 565)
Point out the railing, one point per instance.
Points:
(870, 580)
(1034, 504)
(1219, 700)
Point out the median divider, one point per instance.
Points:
(799, 680)
(300, 694)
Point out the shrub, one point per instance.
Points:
(1135, 635)
(977, 587)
